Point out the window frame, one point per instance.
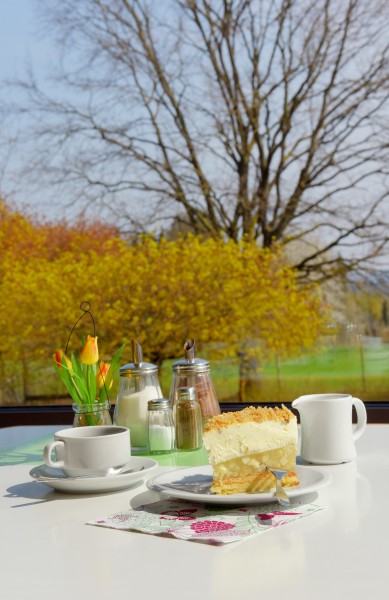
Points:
(11, 416)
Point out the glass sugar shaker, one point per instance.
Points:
(138, 384)
(187, 420)
(160, 426)
(195, 372)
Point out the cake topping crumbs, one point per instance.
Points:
(249, 414)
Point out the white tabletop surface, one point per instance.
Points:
(47, 550)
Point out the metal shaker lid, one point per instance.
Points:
(190, 363)
(184, 394)
(137, 367)
(158, 404)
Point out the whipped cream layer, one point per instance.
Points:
(243, 439)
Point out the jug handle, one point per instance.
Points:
(361, 418)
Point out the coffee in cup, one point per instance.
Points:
(92, 451)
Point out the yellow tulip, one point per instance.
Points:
(101, 375)
(90, 352)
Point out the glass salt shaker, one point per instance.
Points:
(187, 420)
(160, 426)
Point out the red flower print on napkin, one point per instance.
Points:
(263, 517)
(266, 516)
(210, 526)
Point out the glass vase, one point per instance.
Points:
(91, 414)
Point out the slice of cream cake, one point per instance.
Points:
(242, 444)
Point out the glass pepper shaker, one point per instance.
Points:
(160, 426)
(188, 420)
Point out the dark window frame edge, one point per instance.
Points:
(11, 416)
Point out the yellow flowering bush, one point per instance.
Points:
(234, 299)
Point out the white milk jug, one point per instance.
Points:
(327, 433)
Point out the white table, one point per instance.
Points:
(47, 551)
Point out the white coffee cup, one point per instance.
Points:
(89, 451)
(327, 433)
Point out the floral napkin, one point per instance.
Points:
(205, 523)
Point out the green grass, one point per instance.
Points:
(364, 374)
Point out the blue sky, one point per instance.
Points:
(19, 40)
(22, 44)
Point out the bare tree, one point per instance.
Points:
(250, 118)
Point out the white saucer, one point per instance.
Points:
(194, 484)
(57, 479)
